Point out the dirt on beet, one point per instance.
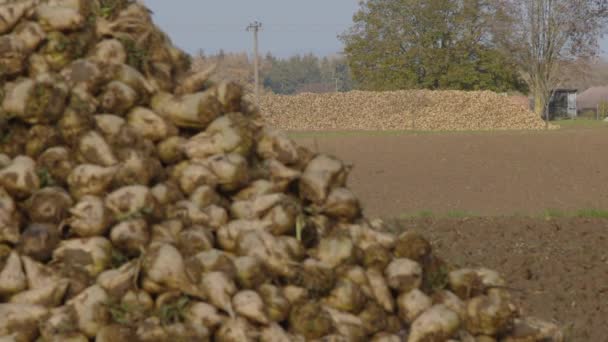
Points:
(558, 268)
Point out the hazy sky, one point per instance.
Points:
(289, 26)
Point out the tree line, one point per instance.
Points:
(292, 75)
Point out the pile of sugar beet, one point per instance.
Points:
(140, 201)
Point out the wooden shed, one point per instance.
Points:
(563, 104)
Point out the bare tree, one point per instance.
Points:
(544, 35)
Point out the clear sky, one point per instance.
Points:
(289, 26)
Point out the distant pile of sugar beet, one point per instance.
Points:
(423, 110)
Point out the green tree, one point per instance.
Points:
(307, 73)
(287, 75)
(434, 44)
(336, 73)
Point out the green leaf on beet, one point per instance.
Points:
(300, 224)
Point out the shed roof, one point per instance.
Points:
(591, 97)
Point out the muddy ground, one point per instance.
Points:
(557, 267)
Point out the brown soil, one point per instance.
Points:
(558, 268)
(483, 173)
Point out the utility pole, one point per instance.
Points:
(256, 27)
